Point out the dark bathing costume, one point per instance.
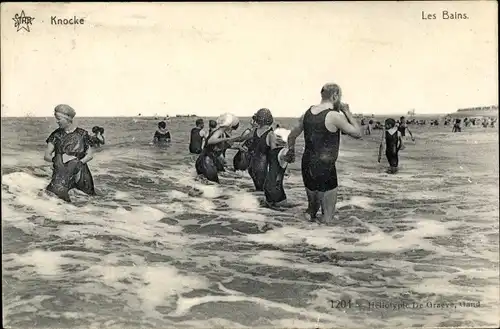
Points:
(273, 186)
(162, 138)
(195, 141)
(402, 129)
(258, 163)
(208, 163)
(321, 151)
(392, 148)
(241, 160)
(63, 179)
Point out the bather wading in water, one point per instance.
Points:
(208, 162)
(69, 148)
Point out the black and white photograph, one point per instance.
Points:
(250, 165)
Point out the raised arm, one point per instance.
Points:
(345, 121)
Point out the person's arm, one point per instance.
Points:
(381, 146)
(292, 139)
(48, 152)
(411, 135)
(401, 145)
(215, 139)
(168, 137)
(271, 140)
(344, 122)
(101, 138)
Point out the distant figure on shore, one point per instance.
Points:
(456, 127)
(98, 138)
(69, 148)
(322, 125)
(393, 144)
(162, 135)
(197, 138)
(403, 127)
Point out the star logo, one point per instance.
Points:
(21, 21)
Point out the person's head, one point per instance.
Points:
(264, 117)
(390, 123)
(331, 92)
(162, 125)
(101, 130)
(64, 115)
(253, 122)
(212, 124)
(96, 130)
(199, 123)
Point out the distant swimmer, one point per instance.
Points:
(273, 185)
(162, 135)
(322, 125)
(98, 137)
(197, 137)
(456, 127)
(241, 160)
(261, 146)
(393, 144)
(207, 162)
(69, 148)
(403, 127)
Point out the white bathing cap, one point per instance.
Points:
(227, 120)
(282, 133)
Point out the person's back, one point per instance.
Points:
(322, 143)
(196, 138)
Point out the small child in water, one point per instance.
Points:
(98, 138)
(393, 144)
(162, 135)
(273, 186)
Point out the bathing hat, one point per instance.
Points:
(65, 110)
(282, 134)
(235, 123)
(226, 120)
(264, 117)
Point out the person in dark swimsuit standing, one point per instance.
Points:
(393, 144)
(322, 125)
(260, 147)
(273, 185)
(207, 162)
(197, 137)
(69, 148)
(241, 160)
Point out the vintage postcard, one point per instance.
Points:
(250, 165)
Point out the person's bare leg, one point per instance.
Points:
(328, 204)
(313, 204)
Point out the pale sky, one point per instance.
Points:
(210, 58)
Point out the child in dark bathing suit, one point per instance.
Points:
(393, 143)
(162, 135)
